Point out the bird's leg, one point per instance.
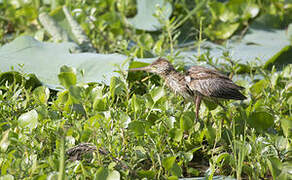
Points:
(198, 103)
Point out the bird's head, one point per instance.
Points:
(160, 66)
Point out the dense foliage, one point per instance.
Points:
(136, 127)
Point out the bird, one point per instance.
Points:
(196, 84)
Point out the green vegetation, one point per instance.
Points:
(133, 127)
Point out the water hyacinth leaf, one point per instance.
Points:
(101, 173)
(168, 162)
(188, 155)
(275, 166)
(286, 125)
(136, 102)
(76, 93)
(147, 174)
(113, 175)
(176, 170)
(157, 93)
(211, 134)
(176, 134)
(137, 127)
(117, 86)
(67, 76)
(261, 120)
(222, 31)
(144, 19)
(187, 120)
(258, 87)
(7, 177)
(41, 94)
(4, 143)
(28, 120)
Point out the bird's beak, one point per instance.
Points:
(146, 68)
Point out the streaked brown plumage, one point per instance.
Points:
(198, 83)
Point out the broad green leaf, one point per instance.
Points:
(187, 120)
(117, 86)
(101, 173)
(211, 134)
(275, 166)
(147, 173)
(44, 60)
(28, 120)
(176, 134)
(145, 20)
(138, 127)
(286, 125)
(42, 94)
(188, 156)
(67, 76)
(257, 44)
(157, 93)
(4, 143)
(168, 162)
(176, 170)
(113, 175)
(7, 177)
(280, 59)
(63, 102)
(76, 93)
(221, 157)
(210, 105)
(222, 31)
(258, 87)
(261, 120)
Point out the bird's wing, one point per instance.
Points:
(212, 83)
(199, 72)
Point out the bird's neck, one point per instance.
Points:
(173, 74)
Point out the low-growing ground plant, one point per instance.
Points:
(139, 129)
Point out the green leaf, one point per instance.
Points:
(258, 87)
(222, 31)
(113, 175)
(7, 177)
(41, 94)
(67, 76)
(28, 120)
(138, 127)
(168, 162)
(117, 87)
(76, 93)
(176, 134)
(210, 104)
(44, 60)
(275, 166)
(187, 120)
(260, 120)
(147, 173)
(176, 170)
(101, 173)
(4, 143)
(211, 134)
(144, 19)
(280, 59)
(157, 93)
(286, 125)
